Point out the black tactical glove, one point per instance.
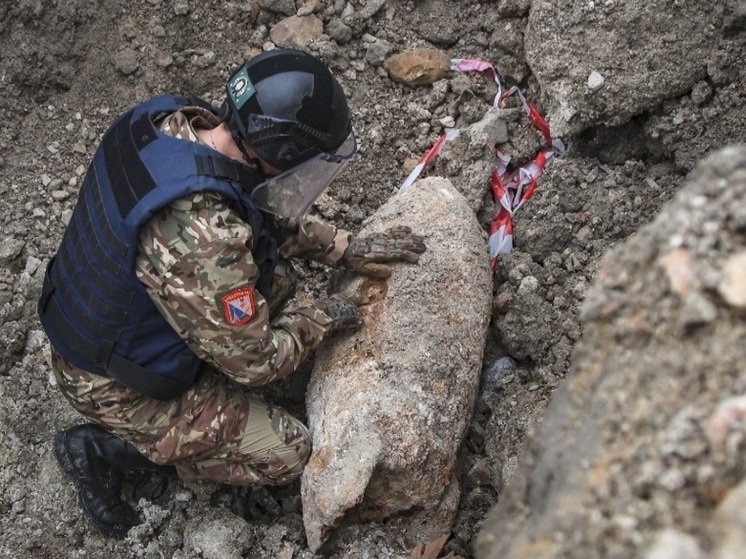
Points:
(344, 313)
(367, 255)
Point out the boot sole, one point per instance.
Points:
(63, 459)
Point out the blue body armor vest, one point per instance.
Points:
(95, 311)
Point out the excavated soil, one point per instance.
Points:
(69, 67)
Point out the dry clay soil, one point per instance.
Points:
(69, 67)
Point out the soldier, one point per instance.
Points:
(167, 295)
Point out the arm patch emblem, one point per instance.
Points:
(239, 306)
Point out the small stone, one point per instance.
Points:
(205, 60)
(697, 309)
(183, 496)
(418, 67)
(701, 93)
(672, 480)
(728, 419)
(225, 537)
(181, 7)
(595, 81)
(348, 10)
(286, 7)
(32, 264)
(164, 61)
(309, 7)
(10, 248)
(297, 31)
(529, 284)
(377, 51)
(448, 122)
(499, 372)
(127, 61)
(338, 31)
(18, 507)
(673, 544)
(480, 474)
(732, 286)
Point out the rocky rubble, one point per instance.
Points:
(644, 113)
(641, 452)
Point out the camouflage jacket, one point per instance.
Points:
(194, 255)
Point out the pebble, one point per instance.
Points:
(595, 81)
(165, 61)
(18, 507)
(183, 496)
(732, 286)
(529, 284)
(32, 264)
(309, 7)
(673, 544)
(127, 61)
(678, 265)
(10, 248)
(66, 216)
(672, 480)
(181, 7)
(499, 371)
(448, 122)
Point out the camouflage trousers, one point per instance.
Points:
(215, 431)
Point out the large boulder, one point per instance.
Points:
(389, 406)
(643, 449)
(605, 62)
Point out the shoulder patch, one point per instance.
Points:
(239, 306)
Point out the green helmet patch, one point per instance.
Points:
(240, 88)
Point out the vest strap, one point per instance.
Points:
(227, 170)
(155, 386)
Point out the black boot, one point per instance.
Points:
(96, 461)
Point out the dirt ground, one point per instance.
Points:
(69, 67)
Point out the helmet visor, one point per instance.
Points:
(292, 192)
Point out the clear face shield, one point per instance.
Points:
(292, 192)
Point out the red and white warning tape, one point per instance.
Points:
(511, 188)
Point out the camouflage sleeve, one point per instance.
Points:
(194, 259)
(311, 238)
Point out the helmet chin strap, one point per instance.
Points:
(250, 160)
(256, 163)
(226, 116)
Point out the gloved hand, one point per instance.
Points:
(367, 255)
(344, 313)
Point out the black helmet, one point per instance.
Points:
(287, 106)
